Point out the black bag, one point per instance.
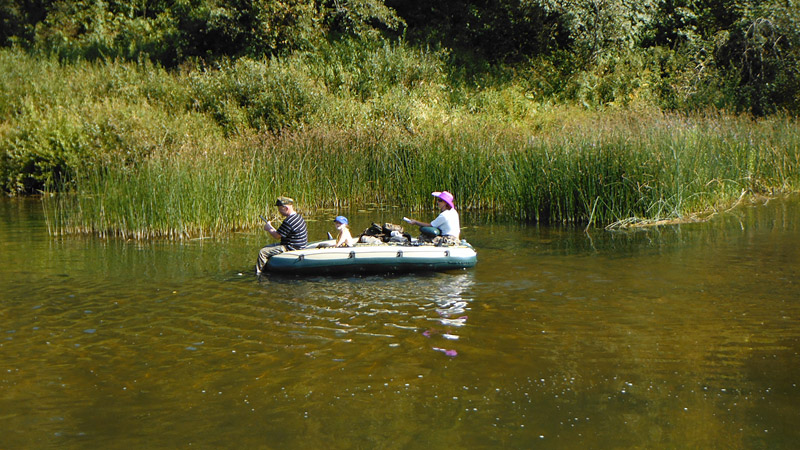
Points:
(384, 233)
(373, 230)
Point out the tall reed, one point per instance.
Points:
(666, 166)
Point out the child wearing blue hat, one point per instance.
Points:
(345, 239)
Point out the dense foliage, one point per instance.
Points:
(736, 54)
(173, 31)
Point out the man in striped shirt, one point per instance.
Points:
(292, 233)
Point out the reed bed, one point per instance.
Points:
(656, 169)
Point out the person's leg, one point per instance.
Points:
(266, 253)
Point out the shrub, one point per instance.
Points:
(256, 94)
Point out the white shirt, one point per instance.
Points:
(345, 238)
(448, 222)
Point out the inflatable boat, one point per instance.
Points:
(322, 258)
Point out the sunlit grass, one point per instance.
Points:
(138, 152)
(662, 167)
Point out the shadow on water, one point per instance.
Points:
(668, 337)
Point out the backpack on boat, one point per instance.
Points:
(389, 232)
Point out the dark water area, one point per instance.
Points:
(674, 337)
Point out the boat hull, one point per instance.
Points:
(373, 259)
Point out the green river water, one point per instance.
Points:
(676, 337)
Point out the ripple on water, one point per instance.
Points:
(657, 333)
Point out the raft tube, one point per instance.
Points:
(366, 258)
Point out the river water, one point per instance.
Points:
(677, 337)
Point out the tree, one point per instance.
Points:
(496, 30)
(18, 18)
(170, 31)
(764, 52)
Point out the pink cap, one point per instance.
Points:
(446, 197)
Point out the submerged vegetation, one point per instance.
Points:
(146, 133)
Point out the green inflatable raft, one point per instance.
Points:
(322, 258)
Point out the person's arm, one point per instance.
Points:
(418, 223)
(271, 230)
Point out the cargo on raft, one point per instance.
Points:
(323, 258)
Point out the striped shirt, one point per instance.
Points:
(294, 234)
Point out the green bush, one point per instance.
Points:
(251, 94)
(366, 69)
(41, 153)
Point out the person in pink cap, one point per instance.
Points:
(447, 223)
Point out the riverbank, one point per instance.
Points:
(135, 151)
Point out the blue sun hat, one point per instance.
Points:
(341, 219)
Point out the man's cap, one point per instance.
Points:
(445, 196)
(341, 219)
(283, 201)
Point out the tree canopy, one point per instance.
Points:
(740, 53)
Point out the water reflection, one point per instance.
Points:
(376, 311)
